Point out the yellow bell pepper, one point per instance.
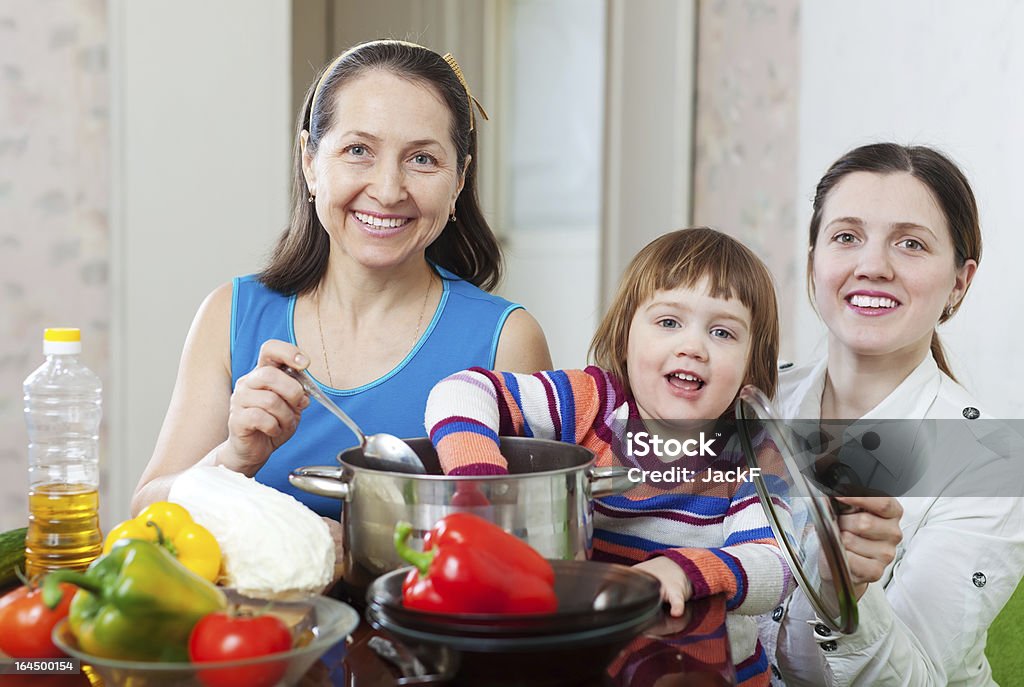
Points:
(171, 526)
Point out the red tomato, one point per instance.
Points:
(226, 637)
(26, 623)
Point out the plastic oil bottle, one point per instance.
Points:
(62, 412)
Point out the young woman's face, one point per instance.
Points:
(385, 175)
(884, 264)
(687, 354)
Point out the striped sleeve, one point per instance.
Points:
(749, 568)
(467, 412)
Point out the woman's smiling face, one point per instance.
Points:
(884, 265)
(385, 176)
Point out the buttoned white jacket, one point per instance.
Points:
(925, 621)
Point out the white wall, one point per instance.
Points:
(598, 159)
(548, 166)
(200, 127)
(648, 146)
(945, 73)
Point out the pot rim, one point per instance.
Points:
(415, 441)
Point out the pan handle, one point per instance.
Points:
(322, 480)
(609, 481)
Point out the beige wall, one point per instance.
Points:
(54, 205)
(745, 166)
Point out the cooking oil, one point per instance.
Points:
(63, 527)
(63, 410)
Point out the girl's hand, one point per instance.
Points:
(676, 589)
(265, 408)
(870, 537)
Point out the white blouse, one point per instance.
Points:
(925, 621)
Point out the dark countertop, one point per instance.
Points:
(692, 650)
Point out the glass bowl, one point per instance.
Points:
(318, 624)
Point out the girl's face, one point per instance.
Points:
(884, 266)
(385, 175)
(687, 354)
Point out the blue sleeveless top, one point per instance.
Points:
(463, 333)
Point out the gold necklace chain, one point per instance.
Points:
(415, 336)
(323, 347)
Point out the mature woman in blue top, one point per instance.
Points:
(377, 286)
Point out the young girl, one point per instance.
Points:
(694, 320)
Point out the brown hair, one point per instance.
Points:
(946, 182)
(682, 259)
(466, 246)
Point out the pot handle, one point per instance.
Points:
(322, 480)
(609, 481)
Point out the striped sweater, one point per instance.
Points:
(717, 532)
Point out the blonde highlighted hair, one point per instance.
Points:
(682, 259)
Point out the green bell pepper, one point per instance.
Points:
(136, 603)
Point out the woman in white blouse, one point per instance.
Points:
(894, 244)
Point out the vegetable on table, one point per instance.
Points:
(173, 528)
(230, 636)
(136, 602)
(12, 555)
(26, 623)
(273, 545)
(470, 565)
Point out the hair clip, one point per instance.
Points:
(339, 58)
(465, 86)
(448, 58)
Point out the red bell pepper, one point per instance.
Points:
(470, 565)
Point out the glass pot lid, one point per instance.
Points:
(801, 513)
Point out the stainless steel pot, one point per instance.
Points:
(546, 499)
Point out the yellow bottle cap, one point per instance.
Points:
(62, 334)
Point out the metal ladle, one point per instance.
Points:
(389, 452)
